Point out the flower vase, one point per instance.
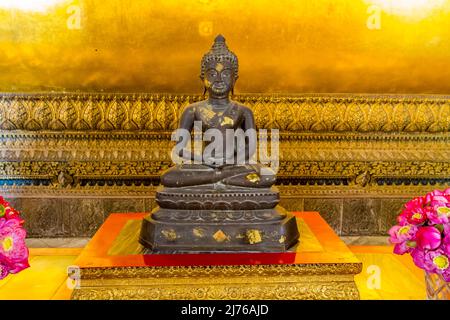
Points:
(437, 287)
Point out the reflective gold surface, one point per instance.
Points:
(400, 46)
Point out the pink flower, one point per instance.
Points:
(400, 234)
(446, 244)
(4, 270)
(402, 220)
(402, 237)
(428, 238)
(6, 211)
(404, 247)
(13, 251)
(19, 266)
(446, 274)
(415, 203)
(437, 196)
(447, 228)
(11, 213)
(417, 216)
(436, 261)
(2, 200)
(12, 241)
(431, 261)
(419, 259)
(439, 214)
(414, 212)
(423, 230)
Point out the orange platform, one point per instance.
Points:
(112, 265)
(319, 244)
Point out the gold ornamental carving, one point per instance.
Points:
(160, 112)
(296, 291)
(351, 145)
(309, 281)
(358, 173)
(281, 271)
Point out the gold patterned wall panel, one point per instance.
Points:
(288, 113)
(375, 46)
(68, 160)
(360, 138)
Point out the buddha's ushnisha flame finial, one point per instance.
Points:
(219, 44)
(219, 52)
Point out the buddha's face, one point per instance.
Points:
(219, 78)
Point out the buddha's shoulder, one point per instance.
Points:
(194, 106)
(242, 107)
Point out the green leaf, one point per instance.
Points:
(411, 244)
(440, 227)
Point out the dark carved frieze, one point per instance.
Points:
(358, 172)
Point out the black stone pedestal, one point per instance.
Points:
(211, 220)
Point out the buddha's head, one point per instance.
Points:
(219, 69)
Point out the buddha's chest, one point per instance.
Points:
(230, 118)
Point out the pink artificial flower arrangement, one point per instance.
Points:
(13, 251)
(423, 230)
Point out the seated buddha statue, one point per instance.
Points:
(219, 199)
(219, 73)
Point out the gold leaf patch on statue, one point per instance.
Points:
(254, 236)
(198, 232)
(169, 234)
(227, 120)
(220, 236)
(219, 67)
(208, 114)
(253, 177)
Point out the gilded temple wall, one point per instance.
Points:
(288, 46)
(67, 160)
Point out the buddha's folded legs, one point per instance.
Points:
(250, 176)
(198, 174)
(189, 175)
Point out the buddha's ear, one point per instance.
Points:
(204, 86)
(232, 88)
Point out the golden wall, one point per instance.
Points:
(284, 46)
(90, 91)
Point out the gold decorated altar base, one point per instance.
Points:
(115, 266)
